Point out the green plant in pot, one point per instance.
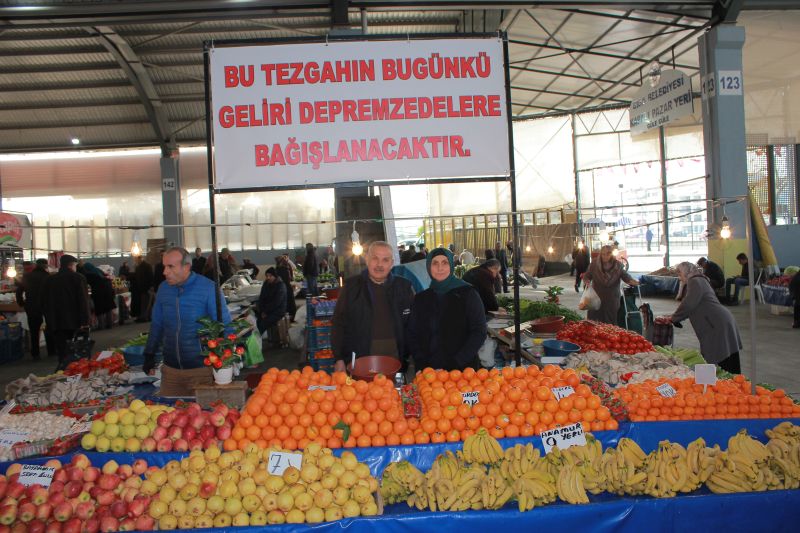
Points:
(553, 294)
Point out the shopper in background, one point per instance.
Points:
(794, 290)
(713, 272)
(311, 270)
(714, 325)
(181, 301)
(447, 326)
(737, 282)
(102, 294)
(605, 275)
(467, 258)
(158, 272)
(227, 265)
(284, 272)
(29, 297)
(141, 290)
(247, 264)
(124, 271)
(648, 235)
(271, 302)
(65, 303)
(456, 259)
(198, 262)
(502, 256)
(331, 258)
(372, 311)
(580, 257)
(484, 278)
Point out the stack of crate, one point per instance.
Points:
(10, 341)
(319, 313)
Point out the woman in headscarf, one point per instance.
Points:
(447, 325)
(605, 275)
(713, 324)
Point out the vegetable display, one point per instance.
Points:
(84, 367)
(531, 310)
(617, 370)
(594, 336)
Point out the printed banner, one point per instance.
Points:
(323, 113)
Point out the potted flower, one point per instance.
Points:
(223, 350)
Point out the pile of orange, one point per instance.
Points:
(512, 402)
(730, 398)
(283, 412)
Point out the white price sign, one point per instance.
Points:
(9, 437)
(8, 407)
(562, 392)
(469, 398)
(705, 374)
(36, 475)
(105, 354)
(74, 379)
(322, 387)
(81, 426)
(730, 83)
(564, 437)
(666, 390)
(280, 461)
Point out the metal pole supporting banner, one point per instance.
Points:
(748, 229)
(516, 259)
(210, 162)
(577, 178)
(662, 147)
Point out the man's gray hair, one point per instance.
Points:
(185, 257)
(379, 244)
(489, 263)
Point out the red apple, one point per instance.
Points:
(73, 525)
(109, 524)
(125, 471)
(207, 490)
(149, 444)
(175, 432)
(81, 461)
(91, 473)
(189, 433)
(26, 512)
(159, 433)
(56, 486)
(119, 509)
(208, 443)
(180, 445)
(223, 432)
(56, 498)
(60, 475)
(139, 467)
(43, 511)
(222, 409)
(19, 527)
(101, 511)
(164, 420)
(91, 526)
(206, 432)
(72, 489)
(8, 514)
(145, 523)
(84, 510)
(108, 481)
(216, 418)
(197, 421)
(195, 444)
(128, 494)
(63, 512)
(3, 487)
(164, 445)
(38, 495)
(53, 527)
(127, 524)
(106, 497)
(36, 526)
(15, 490)
(181, 421)
(84, 496)
(137, 508)
(75, 474)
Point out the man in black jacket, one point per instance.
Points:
(483, 278)
(65, 302)
(713, 272)
(502, 256)
(372, 311)
(271, 301)
(29, 296)
(738, 282)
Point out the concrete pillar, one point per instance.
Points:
(724, 135)
(171, 198)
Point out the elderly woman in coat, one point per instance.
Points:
(605, 275)
(713, 324)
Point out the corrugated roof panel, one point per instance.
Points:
(60, 138)
(67, 96)
(67, 117)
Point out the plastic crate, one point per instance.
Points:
(319, 338)
(10, 330)
(319, 309)
(10, 350)
(325, 365)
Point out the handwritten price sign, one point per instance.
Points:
(9, 437)
(562, 392)
(36, 475)
(469, 398)
(666, 390)
(280, 461)
(564, 437)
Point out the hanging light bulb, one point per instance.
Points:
(357, 248)
(11, 271)
(528, 248)
(615, 252)
(580, 245)
(604, 236)
(550, 249)
(136, 248)
(725, 231)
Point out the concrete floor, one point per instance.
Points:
(778, 355)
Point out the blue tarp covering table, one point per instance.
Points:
(777, 295)
(772, 511)
(658, 284)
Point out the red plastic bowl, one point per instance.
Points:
(548, 324)
(369, 366)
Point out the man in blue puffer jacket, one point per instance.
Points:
(185, 298)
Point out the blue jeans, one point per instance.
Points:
(311, 286)
(737, 282)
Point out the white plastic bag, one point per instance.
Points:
(486, 353)
(589, 300)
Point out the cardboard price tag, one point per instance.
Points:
(564, 437)
(280, 461)
(36, 475)
(9, 437)
(81, 426)
(105, 354)
(666, 390)
(562, 392)
(74, 379)
(8, 407)
(469, 398)
(322, 387)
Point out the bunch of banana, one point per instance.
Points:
(517, 460)
(556, 460)
(587, 460)
(631, 450)
(701, 460)
(735, 473)
(536, 487)
(744, 444)
(482, 448)
(400, 480)
(448, 465)
(667, 471)
(570, 486)
(450, 486)
(620, 473)
(784, 430)
(495, 490)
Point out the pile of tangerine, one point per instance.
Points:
(512, 402)
(283, 412)
(729, 398)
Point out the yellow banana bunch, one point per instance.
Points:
(482, 448)
(570, 486)
(400, 480)
(518, 460)
(531, 492)
(667, 471)
(495, 491)
(744, 444)
(729, 476)
(632, 451)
